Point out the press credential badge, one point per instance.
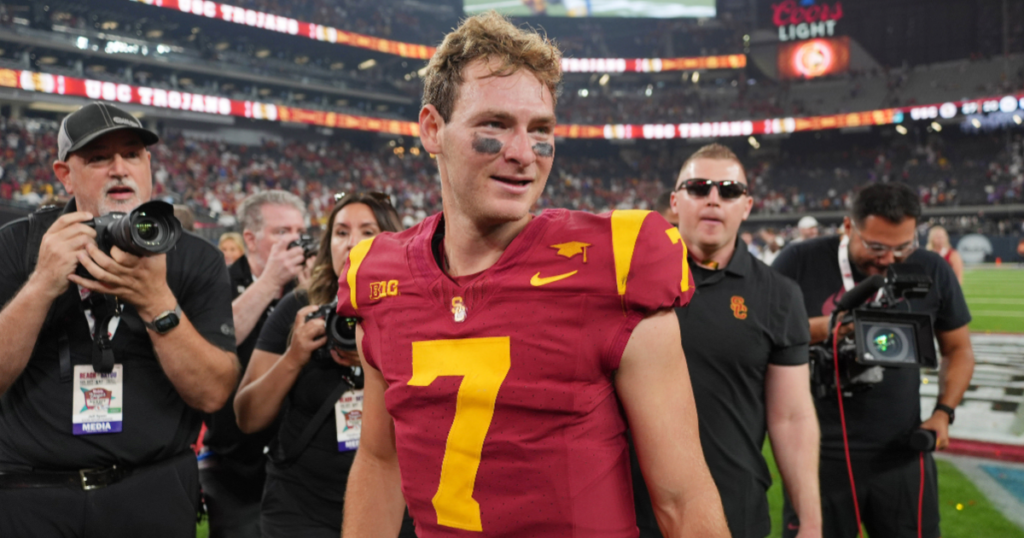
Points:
(97, 400)
(348, 416)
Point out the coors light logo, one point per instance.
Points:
(805, 20)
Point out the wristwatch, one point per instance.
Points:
(165, 321)
(947, 410)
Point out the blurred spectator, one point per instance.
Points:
(185, 216)
(938, 242)
(807, 228)
(232, 245)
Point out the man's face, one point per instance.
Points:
(496, 151)
(279, 222)
(710, 222)
(873, 241)
(109, 174)
(809, 233)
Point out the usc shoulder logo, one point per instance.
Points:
(382, 289)
(739, 310)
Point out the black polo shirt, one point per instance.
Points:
(879, 420)
(35, 412)
(740, 320)
(222, 433)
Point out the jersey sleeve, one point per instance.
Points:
(353, 298)
(651, 270)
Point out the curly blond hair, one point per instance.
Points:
(489, 36)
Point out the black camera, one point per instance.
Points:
(341, 331)
(309, 245)
(882, 338)
(147, 230)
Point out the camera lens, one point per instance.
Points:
(148, 229)
(889, 343)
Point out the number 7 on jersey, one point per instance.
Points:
(483, 364)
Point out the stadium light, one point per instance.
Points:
(976, 123)
(604, 79)
(936, 126)
(1017, 119)
(901, 129)
(368, 64)
(754, 143)
(263, 53)
(584, 92)
(696, 77)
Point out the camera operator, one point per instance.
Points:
(119, 464)
(879, 420)
(310, 460)
(232, 468)
(745, 338)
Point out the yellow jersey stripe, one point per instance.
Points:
(676, 237)
(355, 258)
(626, 226)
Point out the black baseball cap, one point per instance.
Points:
(93, 121)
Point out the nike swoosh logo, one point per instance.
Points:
(536, 280)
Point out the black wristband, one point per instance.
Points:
(947, 410)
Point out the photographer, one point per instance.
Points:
(306, 476)
(879, 420)
(118, 463)
(232, 469)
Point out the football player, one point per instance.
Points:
(506, 353)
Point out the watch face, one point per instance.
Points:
(166, 322)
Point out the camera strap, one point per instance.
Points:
(102, 309)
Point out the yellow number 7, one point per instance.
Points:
(483, 364)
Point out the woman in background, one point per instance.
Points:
(232, 246)
(293, 376)
(938, 242)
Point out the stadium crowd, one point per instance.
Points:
(212, 177)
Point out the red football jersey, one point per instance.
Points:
(501, 384)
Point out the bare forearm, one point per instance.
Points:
(955, 377)
(258, 403)
(819, 329)
(20, 322)
(248, 307)
(795, 443)
(373, 499)
(203, 374)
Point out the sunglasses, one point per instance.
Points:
(727, 190)
(380, 197)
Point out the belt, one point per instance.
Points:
(87, 479)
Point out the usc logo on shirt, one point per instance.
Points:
(739, 310)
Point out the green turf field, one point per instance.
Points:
(599, 8)
(964, 512)
(996, 298)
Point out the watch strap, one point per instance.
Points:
(947, 410)
(151, 325)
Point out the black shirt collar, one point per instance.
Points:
(740, 263)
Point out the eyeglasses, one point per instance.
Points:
(878, 250)
(727, 189)
(381, 197)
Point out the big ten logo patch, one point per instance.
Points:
(382, 289)
(739, 309)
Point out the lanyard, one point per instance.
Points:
(844, 266)
(844, 263)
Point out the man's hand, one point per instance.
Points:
(938, 423)
(345, 358)
(139, 281)
(59, 251)
(283, 264)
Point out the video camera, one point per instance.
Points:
(881, 338)
(341, 331)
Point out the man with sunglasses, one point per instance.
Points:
(881, 231)
(745, 338)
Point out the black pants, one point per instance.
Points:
(887, 492)
(158, 501)
(232, 491)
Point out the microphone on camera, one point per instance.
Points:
(860, 293)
